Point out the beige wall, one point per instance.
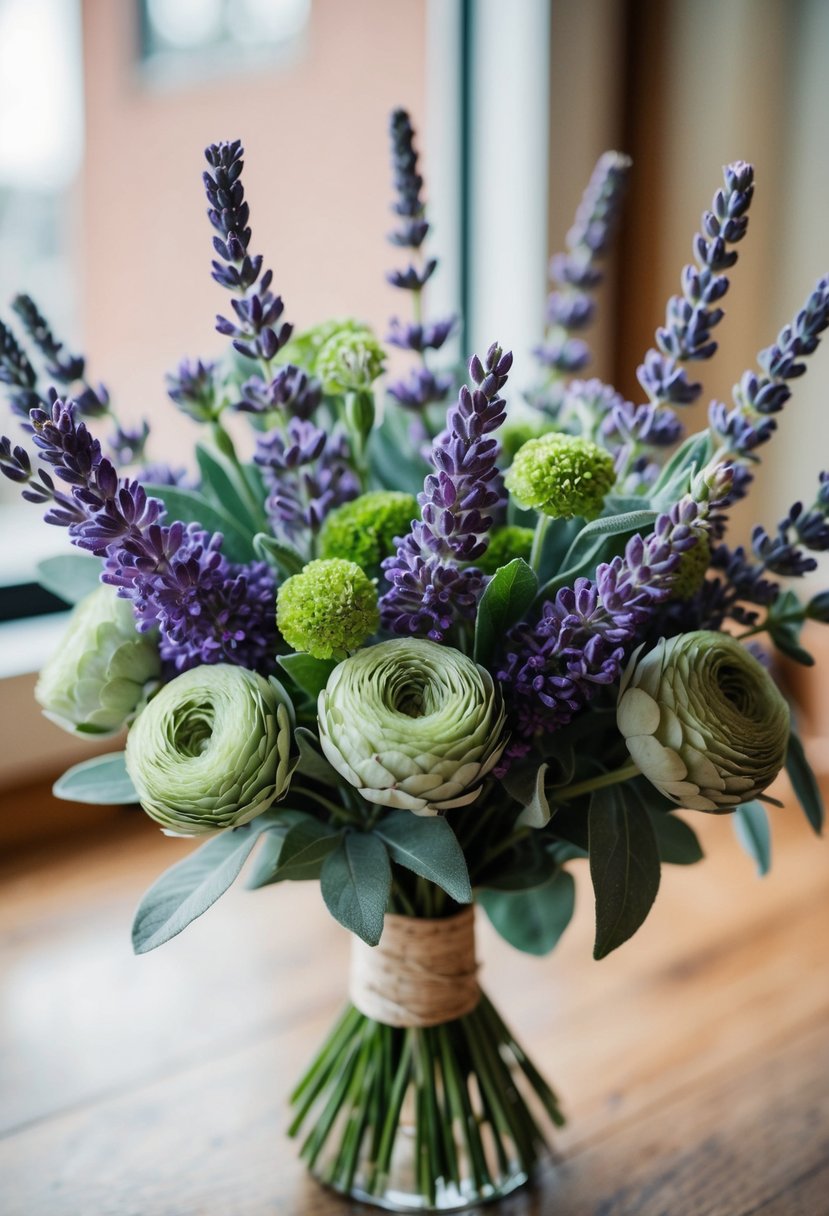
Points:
(317, 178)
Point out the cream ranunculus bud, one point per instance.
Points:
(102, 668)
(412, 724)
(703, 720)
(212, 750)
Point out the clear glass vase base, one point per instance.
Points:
(448, 1198)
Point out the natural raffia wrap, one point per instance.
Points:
(423, 972)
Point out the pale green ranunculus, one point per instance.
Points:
(703, 720)
(412, 724)
(102, 669)
(212, 749)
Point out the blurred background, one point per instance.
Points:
(105, 109)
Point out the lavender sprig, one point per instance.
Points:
(690, 318)
(307, 474)
(291, 393)
(257, 331)
(17, 373)
(431, 590)
(420, 388)
(577, 273)
(64, 369)
(552, 668)
(206, 609)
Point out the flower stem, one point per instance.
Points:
(540, 533)
(615, 777)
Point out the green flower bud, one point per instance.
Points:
(102, 669)
(363, 530)
(329, 608)
(703, 720)
(303, 348)
(349, 361)
(212, 750)
(505, 544)
(561, 476)
(693, 563)
(412, 724)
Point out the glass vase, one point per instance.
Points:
(423, 1118)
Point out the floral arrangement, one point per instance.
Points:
(423, 655)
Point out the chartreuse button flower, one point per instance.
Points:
(327, 609)
(364, 530)
(561, 476)
(703, 720)
(212, 750)
(349, 361)
(505, 544)
(412, 724)
(102, 669)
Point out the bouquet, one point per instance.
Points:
(427, 655)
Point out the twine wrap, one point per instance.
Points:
(423, 972)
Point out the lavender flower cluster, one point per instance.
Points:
(430, 591)
(422, 386)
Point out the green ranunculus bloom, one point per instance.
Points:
(212, 750)
(412, 724)
(703, 720)
(102, 669)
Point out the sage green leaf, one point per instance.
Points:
(428, 847)
(675, 478)
(592, 545)
(804, 782)
(751, 825)
(536, 812)
(190, 507)
(101, 781)
(309, 674)
(302, 851)
(70, 576)
(278, 553)
(311, 761)
(220, 484)
(624, 866)
(189, 888)
(355, 883)
(507, 597)
(532, 920)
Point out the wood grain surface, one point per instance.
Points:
(693, 1063)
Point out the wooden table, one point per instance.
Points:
(694, 1063)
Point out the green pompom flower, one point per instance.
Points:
(349, 361)
(412, 724)
(303, 348)
(561, 476)
(102, 669)
(329, 608)
(363, 530)
(703, 720)
(505, 544)
(212, 750)
(693, 563)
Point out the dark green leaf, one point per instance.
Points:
(309, 674)
(190, 507)
(804, 782)
(221, 487)
(300, 853)
(508, 595)
(532, 920)
(527, 864)
(277, 553)
(355, 883)
(751, 824)
(189, 888)
(71, 576)
(101, 781)
(786, 644)
(427, 846)
(677, 842)
(624, 865)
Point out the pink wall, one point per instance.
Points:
(317, 178)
